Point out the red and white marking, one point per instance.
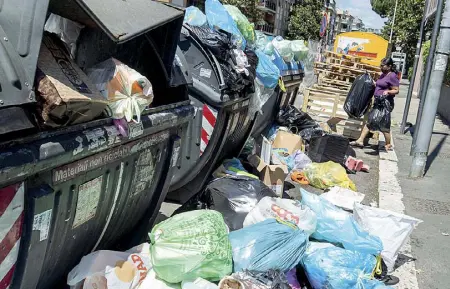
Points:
(11, 220)
(208, 124)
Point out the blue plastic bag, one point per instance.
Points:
(267, 245)
(335, 225)
(267, 72)
(327, 266)
(219, 18)
(194, 16)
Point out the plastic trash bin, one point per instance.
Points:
(220, 127)
(69, 191)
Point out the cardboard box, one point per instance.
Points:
(290, 141)
(272, 176)
(65, 95)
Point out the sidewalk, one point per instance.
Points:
(426, 199)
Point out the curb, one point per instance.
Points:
(390, 198)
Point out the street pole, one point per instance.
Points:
(433, 94)
(423, 89)
(393, 22)
(413, 77)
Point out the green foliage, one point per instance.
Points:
(305, 20)
(407, 23)
(248, 7)
(382, 7)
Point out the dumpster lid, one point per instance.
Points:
(122, 20)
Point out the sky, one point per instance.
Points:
(363, 10)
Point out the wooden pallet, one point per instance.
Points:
(326, 106)
(334, 83)
(334, 55)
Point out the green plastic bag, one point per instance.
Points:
(299, 49)
(191, 245)
(247, 29)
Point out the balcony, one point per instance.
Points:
(266, 28)
(268, 6)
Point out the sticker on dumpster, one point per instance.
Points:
(204, 72)
(41, 223)
(88, 199)
(74, 169)
(145, 170)
(135, 129)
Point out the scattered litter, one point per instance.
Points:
(299, 177)
(343, 198)
(271, 244)
(179, 244)
(291, 211)
(234, 197)
(329, 174)
(393, 229)
(445, 234)
(273, 279)
(337, 226)
(336, 268)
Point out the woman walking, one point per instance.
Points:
(386, 88)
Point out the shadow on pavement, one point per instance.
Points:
(435, 153)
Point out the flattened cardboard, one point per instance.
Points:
(272, 176)
(290, 141)
(65, 94)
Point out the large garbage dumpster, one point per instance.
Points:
(292, 76)
(69, 191)
(221, 125)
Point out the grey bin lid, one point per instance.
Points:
(121, 20)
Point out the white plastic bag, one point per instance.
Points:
(122, 270)
(153, 282)
(198, 283)
(284, 209)
(241, 61)
(67, 30)
(128, 91)
(284, 48)
(343, 198)
(393, 229)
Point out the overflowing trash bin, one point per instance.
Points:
(91, 181)
(222, 122)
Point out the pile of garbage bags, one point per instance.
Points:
(265, 244)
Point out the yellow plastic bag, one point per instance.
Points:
(329, 174)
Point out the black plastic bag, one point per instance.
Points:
(380, 115)
(218, 42)
(358, 99)
(294, 119)
(232, 196)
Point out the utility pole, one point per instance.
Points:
(426, 79)
(433, 94)
(413, 77)
(393, 22)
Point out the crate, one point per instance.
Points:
(326, 106)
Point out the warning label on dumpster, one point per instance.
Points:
(145, 170)
(74, 169)
(88, 199)
(41, 223)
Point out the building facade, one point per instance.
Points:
(275, 20)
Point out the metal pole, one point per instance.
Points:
(393, 21)
(434, 92)
(413, 77)
(426, 80)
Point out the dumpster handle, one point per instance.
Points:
(222, 84)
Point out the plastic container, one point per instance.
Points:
(86, 187)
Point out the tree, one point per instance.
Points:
(382, 7)
(407, 23)
(305, 20)
(248, 7)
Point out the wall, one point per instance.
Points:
(444, 103)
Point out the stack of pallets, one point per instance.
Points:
(324, 102)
